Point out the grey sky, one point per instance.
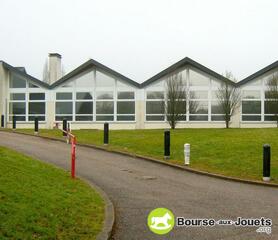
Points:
(140, 38)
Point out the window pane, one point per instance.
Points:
(17, 81)
(198, 118)
(105, 107)
(68, 85)
(217, 118)
(180, 118)
(216, 108)
(176, 107)
(251, 107)
(18, 118)
(251, 94)
(197, 79)
(156, 107)
(63, 107)
(83, 95)
(125, 107)
(17, 108)
(36, 96)
(17, 96)
(271, 107)
(270, 118)
(61, 118)
(103, 80)
(84, 118)
(125, 118)
(125, 95)
(155, 95)
(199, 94)
(31, 85)
(251, 118)
(105, 118)
(41, 118)
(198, 107)
(155, 118)
(271, 94)
(105, 95)
(36, 108)
(86, 80)
(64, 96)
(84, 107)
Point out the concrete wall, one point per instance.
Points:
(4, 79)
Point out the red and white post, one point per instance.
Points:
(73, 156)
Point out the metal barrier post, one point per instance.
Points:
(14, 122)
(36, 125)
(166, 144)
(266, 162)
(2, 121)
(73, 156)
(106, 134)
(64, 127)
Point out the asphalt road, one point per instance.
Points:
(137, 186)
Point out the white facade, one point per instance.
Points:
(93, 94)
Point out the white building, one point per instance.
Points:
(93, 94)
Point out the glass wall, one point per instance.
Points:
(26, 100)
(96, 96)
(257, 103)
(196, 104)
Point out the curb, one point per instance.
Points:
(109, 219)
(150, 159)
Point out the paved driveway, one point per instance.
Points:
(136, 187)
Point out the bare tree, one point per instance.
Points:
(228, 98)
(271, 96)
(45, 73)
(176, 95)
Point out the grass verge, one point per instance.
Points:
(231, 152)
(39, 201)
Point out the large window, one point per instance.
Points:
(64, 106)
(155, 106)
(125, 106)
(84, 106)
(216, 110)
(17, 106)
(105, 106)
(270, 107)
(198, 106)
(17, 81)
(26, 100)
(251, 105)
(36, 106)
(197, 79)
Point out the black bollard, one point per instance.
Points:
(266, 163)
(65, 127)
(14, 122)
(106, 134)
(166, 144)
(2, 121)
(36, 125)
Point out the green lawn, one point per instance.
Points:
(231, 152)
(39, 201)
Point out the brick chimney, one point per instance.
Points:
(55, 67)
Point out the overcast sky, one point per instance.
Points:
(140, 38)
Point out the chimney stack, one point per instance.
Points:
(55, 67)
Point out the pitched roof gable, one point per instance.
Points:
(186, 61)
(258, 73)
